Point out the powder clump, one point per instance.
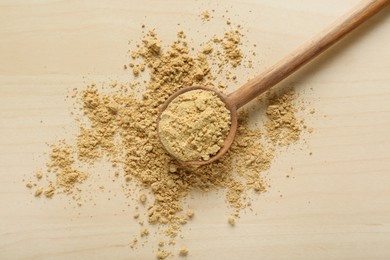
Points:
(205, 16)
(231, 221)
(163, 254)
(195, 125)
(183, 251)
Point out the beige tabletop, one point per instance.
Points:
(335, 205)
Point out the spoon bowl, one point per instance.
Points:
(233, 123)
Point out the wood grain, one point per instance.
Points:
(336, 203)
(306, 52)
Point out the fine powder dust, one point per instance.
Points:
(195, 125)
(122, 128)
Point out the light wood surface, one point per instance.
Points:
(306, 52)
(336, 203)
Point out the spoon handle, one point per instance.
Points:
(306, 52)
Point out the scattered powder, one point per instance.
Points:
(61, 164)
(61, 175)
(102, 113)
(225, 50)
(195, 125)
(121, 128)
(230, 43)
(133, 243)
(282, 125)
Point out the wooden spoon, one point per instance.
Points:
(284, 68)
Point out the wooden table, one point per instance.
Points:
(335, 205)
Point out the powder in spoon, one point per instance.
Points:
(195, 125)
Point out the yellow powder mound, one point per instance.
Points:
(195, 125)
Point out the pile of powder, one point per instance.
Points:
(122, 128)
(195, 125)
